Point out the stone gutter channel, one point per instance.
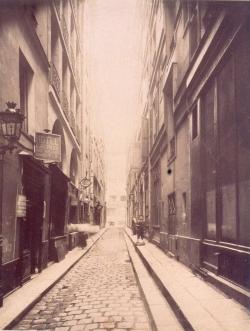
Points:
(162, 313)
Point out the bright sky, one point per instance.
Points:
(111, 43)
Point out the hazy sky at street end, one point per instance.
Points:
(111, 45)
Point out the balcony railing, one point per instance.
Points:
(57, 5)
(65, 32)
(55, 80)
(65, 105)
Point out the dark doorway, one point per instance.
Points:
(58, 211)
(33, 182)
(97, 216)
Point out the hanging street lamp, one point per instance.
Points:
(84, 183)
(10, 131)
(10, 126)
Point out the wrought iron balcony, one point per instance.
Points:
(65, 105)
(65, 32)
(55, 80)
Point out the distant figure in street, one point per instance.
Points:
(140, 230)
(134, 226)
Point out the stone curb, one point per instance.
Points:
(151, 317)
(14, 321)
(171, 301)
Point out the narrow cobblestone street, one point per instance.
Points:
(99, 293)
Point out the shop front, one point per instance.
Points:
(10, 241)
(225, 128)
(85, 209)
(98, 217)
(59, 212)
(26, 220)
(74, 204)
(34, 227)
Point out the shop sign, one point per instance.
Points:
(21, 206)
(48, 147)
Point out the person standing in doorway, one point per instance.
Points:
(140, 230)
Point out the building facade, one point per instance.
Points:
(194, 98)
(98, 189)
(42, 71)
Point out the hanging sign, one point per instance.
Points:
(48, 147)
(21, 206)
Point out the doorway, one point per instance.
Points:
(33, 183)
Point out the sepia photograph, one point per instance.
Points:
(125, 165)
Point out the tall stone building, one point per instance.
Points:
(41, 57)
(194, 174)
(98, 188)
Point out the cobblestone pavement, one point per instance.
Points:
(99, 293)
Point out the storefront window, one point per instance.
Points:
(242, 72)
(225, 115)
(209, 154)
(227, 149)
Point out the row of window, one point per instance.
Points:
(221, 121)
(62, 79)
(194, 18)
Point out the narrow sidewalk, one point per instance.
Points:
(161, 315)
(197, 304)
(20, 301)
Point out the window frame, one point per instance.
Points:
(25, 86)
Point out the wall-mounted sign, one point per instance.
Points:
(48, 147)
(21, 206)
